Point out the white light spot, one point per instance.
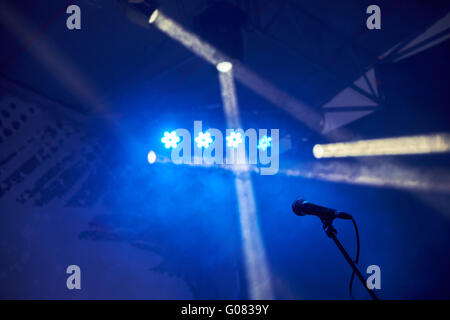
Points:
(224, 66)
(151, 157)
(154, 16)
(318, 151)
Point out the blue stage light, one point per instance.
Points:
(264, 143)
(234, 139)
(203, 140)
(170, 139)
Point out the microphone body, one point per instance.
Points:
(302, 207)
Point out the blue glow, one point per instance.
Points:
(264, 142)
(234, 139)
(203, 140)
(170, 139)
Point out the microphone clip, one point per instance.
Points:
(327, 224)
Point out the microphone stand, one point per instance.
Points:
(331, 233)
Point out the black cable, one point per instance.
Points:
(357, 257)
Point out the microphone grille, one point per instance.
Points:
(297, 207)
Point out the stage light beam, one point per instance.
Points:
(187, 38)
(390, 146)
(380, 174)
(256, 267)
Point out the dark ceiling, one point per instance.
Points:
(324, 45)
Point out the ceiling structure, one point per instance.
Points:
(325, 46)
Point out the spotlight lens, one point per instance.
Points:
(153, 16)
(264, 143)
(234, 139)
(318, 151)
(224, 66)
(170, 139)
(151, 157)
(203, 140)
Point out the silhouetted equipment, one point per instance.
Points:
(302, 207)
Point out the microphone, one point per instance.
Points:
(302, 207)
